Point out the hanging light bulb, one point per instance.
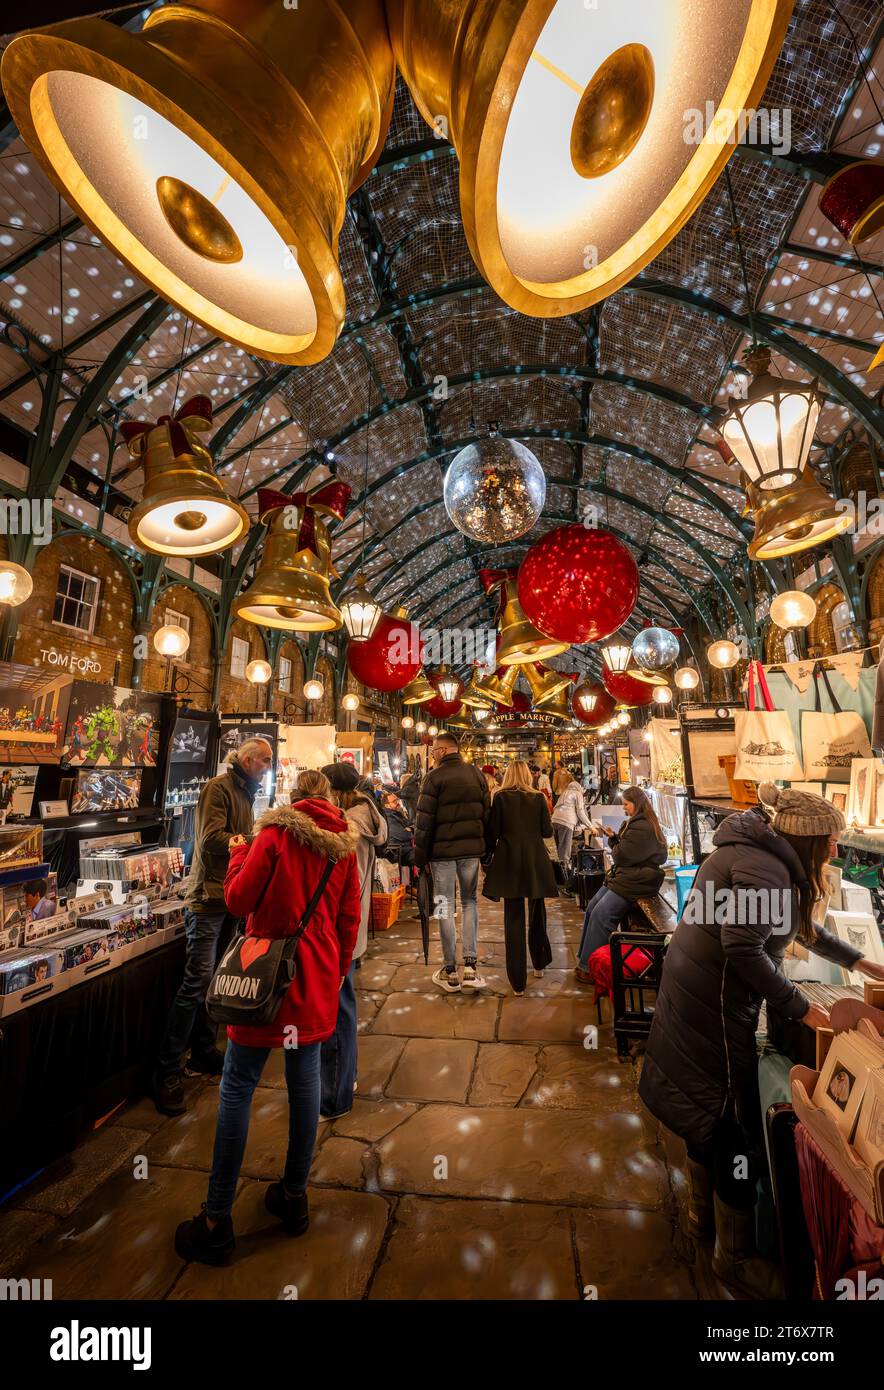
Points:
(617, 655)
(723, 655)
(407, 722)
(663, 695)
(686, 678)
(623, 718)
(432, 731)
(793, 609)
(259, 672)
(16, 585)
(171, 640)
(350, 701)
(770, 431)
(212, 152)
(313, 689)
(420, 727)
(360, 612)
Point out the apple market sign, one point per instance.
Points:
(83, 665)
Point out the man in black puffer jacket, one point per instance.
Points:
(449, 835)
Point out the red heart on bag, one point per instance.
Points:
(252, 948)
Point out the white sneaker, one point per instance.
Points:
(447, 980)
(471, 980)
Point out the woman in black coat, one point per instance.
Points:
(521, 870)
(638, 851)
(753, 895)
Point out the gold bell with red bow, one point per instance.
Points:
(518, 641)
(290, 589)
(184, 509)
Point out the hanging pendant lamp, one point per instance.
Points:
(290, 589)
(215, 150)
(794, 518)
(585, 138)
(360, 611)
(771, 431)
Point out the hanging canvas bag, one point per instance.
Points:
(766, 748)
(831, 741)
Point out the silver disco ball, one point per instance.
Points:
(655, 648)
(495, 490)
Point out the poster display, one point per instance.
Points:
(17, 787)
(106, 791)
(110, 726)
(235, 731)
(33, 713)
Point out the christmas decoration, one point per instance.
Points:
(391, 658)
(591, 704)
(442, 709)
(578, 585)
(655, 648)
(519, 641)
(626, 690)
(494, 490)
(290, 589)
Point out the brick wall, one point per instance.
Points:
(295, 694)
(198, 663)
(113, 635)
(238, 694)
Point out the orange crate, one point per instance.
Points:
(743, 793)
(385, 908)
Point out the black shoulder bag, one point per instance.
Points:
(255, 972)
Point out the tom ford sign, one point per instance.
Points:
(69, 661)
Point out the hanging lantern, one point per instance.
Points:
(723, 655)
(184, 509)
(16, 584)
(570, 130)
(290, 589)
(617, 655)
(391, 658)
(655, 649)
(626, 690)
(623, 716)
(853, 201)
(418, 691)
(793, 609)
(350, 701)
(448, 685)
(171, 640)
(258, 672)
(771, 431)
(795, 518)
(578, 585)
(360, 612)
(213, 152)
(591, 704)
(438, 708)
(686, 678)
(420, 727)
(663, 695)
(519, 641)
(494, 490)
(313, 689)
(545, 684)
(500, 685)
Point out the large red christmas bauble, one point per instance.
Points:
(578, 585)
(626, 690)
(521, 703)
(390, 658)
(442, 709)
(604, 708)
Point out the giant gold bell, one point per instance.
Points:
(290, 589)
(560, 704)
(520, 641)
(418, 691)
(184, 509)
(499, 689)
(793, 518)
(545, 684)
(214, 151)
(584, 140)
(472, 696)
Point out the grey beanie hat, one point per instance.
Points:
(801, 813)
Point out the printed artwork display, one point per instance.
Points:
(20, 845)
(190, 741)
(842, 1082)
(110, 726)
(869, 1141)
(860, 931)
(24, 903)
(33, 713)
(17, 786)
(106, 791)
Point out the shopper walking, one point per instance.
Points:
(272, 882)
(753, 895)
(562, 778)
(638, 851)
(224, 810)
(449, 835)
(521, 871)
(339, 1052)
(569, 814)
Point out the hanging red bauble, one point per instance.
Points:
(626, 690)
(390, 658)
(604, 707)
(521, 703)
(442, 709)
(578, 585)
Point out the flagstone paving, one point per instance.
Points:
(496, 1148)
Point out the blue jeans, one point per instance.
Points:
(208, 934)
(338, 1064)
(604, 913)
(464, 872)
(242, 1072)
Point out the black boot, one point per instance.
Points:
(291, 1209)
(207, 1064)
(168, 1093)
(701, 1212)
(195, 1241)
(736, 1261)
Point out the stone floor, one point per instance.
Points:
(496, 1149)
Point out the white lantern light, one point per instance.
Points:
(771, 430)
(448, 685)
(360, 612)
(723, 655)
(686, 678)
(408, 722)
(171, 640)
(617, 655)
(793, 609)
(16, 585)
(313, 689)
(259, 672)
(350, 701)
(420, 727)
(623, 719)
(663, 695)
(432, 731)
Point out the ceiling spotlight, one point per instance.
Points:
(259, 672)
(793, 609)
(171, 640)
(723, 655)
(214, 157)
(313, 689)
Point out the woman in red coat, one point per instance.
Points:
(271, 881)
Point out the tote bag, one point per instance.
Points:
(830, 742)
(765, 742)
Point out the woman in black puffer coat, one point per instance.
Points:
(751, 897)
(638, 850)
(521, 871)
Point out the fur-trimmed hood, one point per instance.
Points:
(316, 824)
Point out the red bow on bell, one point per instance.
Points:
(492, 579)
(195, 414)
(331, 499)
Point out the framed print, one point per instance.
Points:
(859, 930)
(837, 793)
(869, 1139)
(842, 1082)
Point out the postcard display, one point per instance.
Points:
(191, 764)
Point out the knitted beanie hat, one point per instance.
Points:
(801, 813)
